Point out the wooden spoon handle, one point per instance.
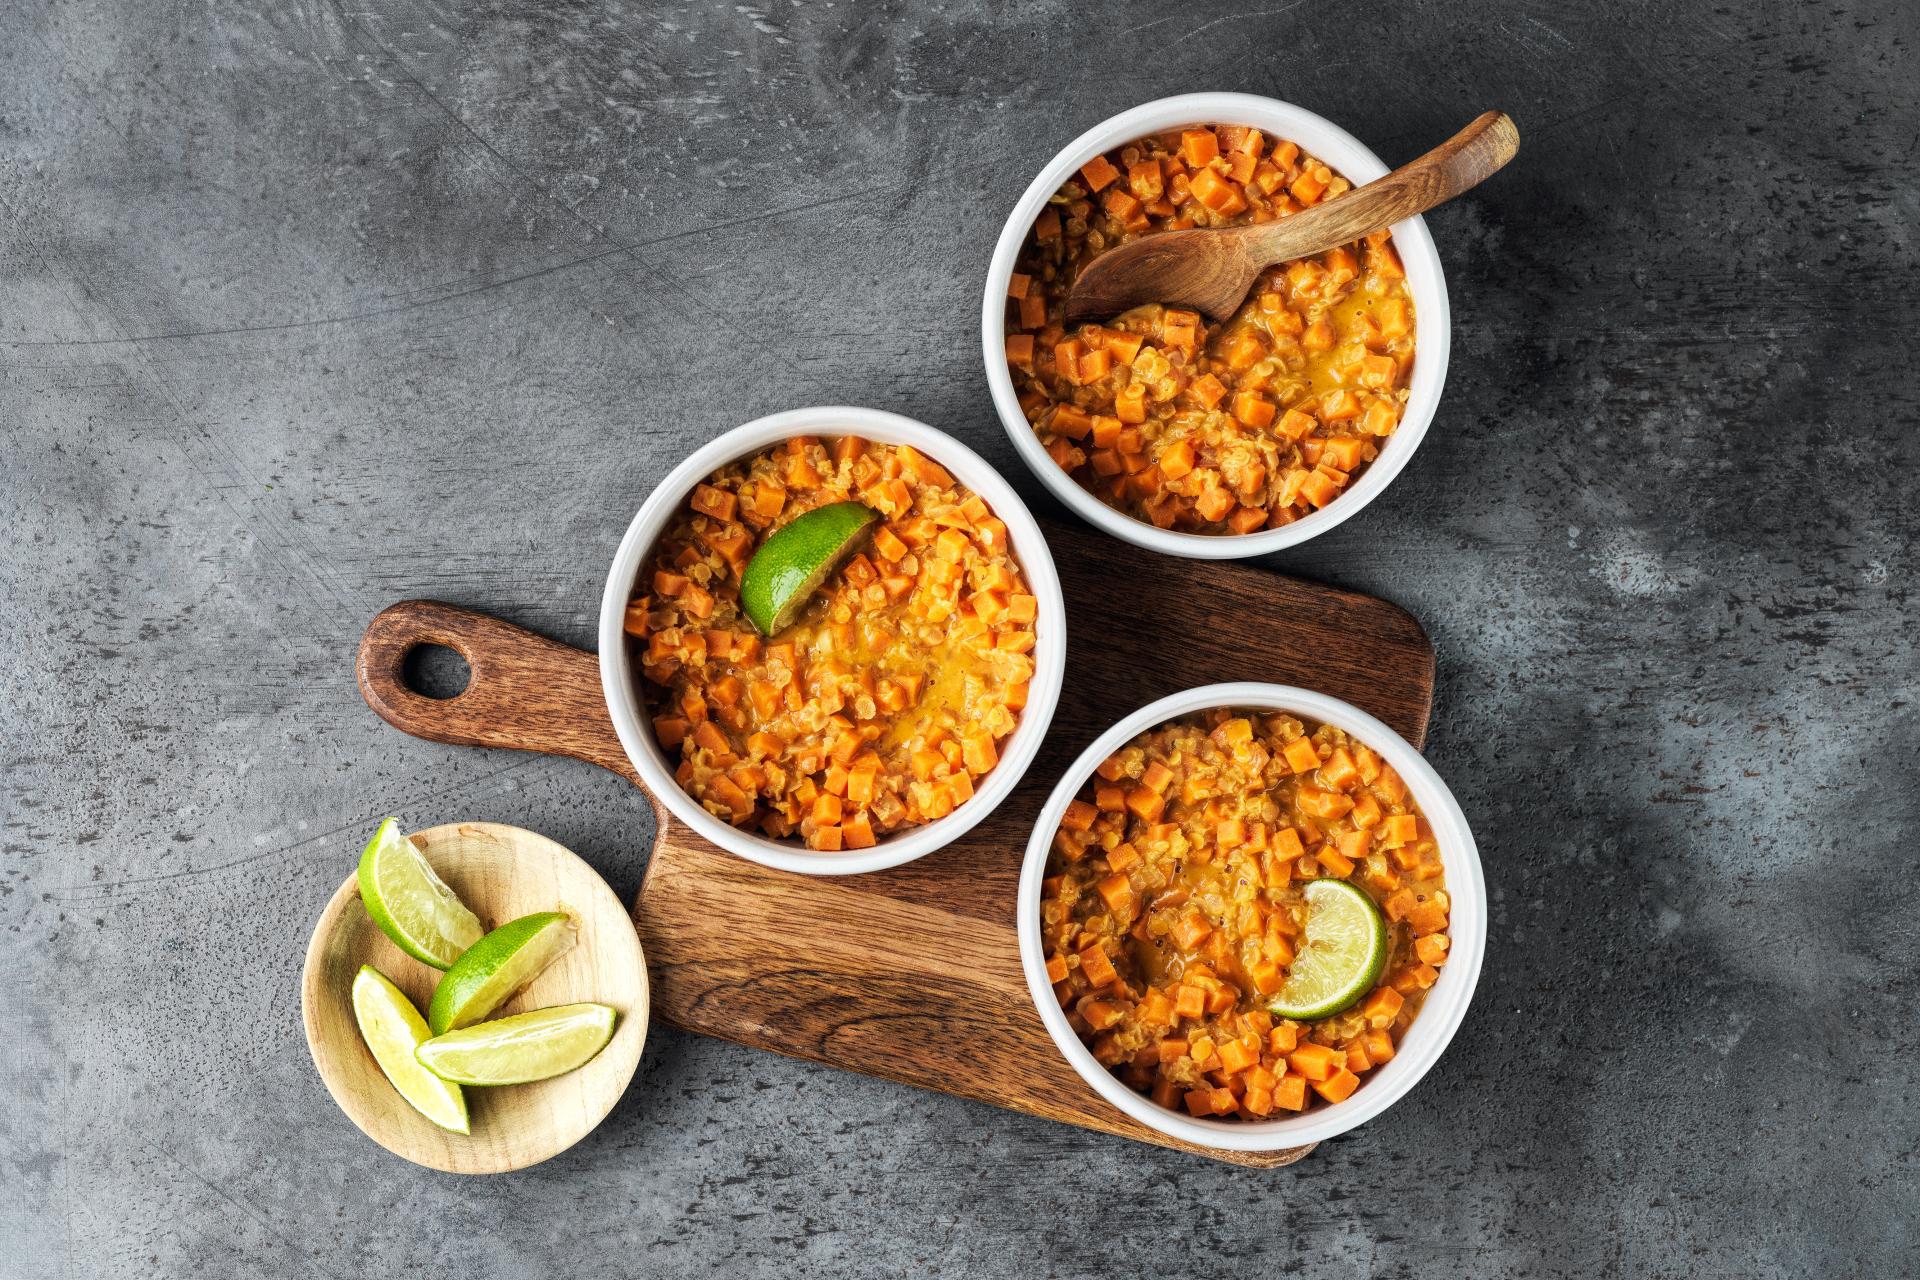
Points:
(527, 692)
(1462, 162)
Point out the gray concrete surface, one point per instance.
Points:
(307, 306)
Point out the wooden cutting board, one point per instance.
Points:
(914, 974)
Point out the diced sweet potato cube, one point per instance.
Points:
(1207, 390)
(1315, 1061)
(1098, 968)
(1291, 1093)
(670, 730)
(1396, 319)
(1197, 146)
(1117, 891)
(1145, 180)
(1301, 755)
(1238, 1055)
(1294, 424)
(1146, 803)
(1216, 192)
(1253, 410)
(1319, 489)
(1341, 266)
(1310, 185)
(1098, 172)
(1428, 917)
(1190, 930)
(1215, 504)
(1333, 862)
(1337, 1087)
(710, 501)
(1124, 208)
(857, 832)
(1382, 1007)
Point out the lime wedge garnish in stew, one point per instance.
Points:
(521, 1049)
(490, 971)
(1341, 958)
(393, 1029)
(411, 904)
(790, 565)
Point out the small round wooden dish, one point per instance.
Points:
(501, 873)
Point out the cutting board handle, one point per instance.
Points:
(526, 692)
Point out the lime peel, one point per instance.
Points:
(1340, 958)
(520, 1049)
(410, 903)
(492, 970)
(394, 1031)
(796, 558)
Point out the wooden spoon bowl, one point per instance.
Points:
(1211, 269)
(502, 873)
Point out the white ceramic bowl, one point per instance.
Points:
(1318, 137)
(621, 681)
(1446, 1002)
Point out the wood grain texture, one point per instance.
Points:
(914, 974)
(1211, 269)
(501, 873)
(526, 691)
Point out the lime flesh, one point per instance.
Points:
(410, 903)
(489, 972)
(791, 564)
(1341, 957)
(521, 1049)
(394, 1030)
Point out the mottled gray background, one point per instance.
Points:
(306, 307)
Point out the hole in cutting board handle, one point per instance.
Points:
(435, 671)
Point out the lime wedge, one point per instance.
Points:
(411, 904)
(790, 566)
(489, 972)
(1341, 958)
(521, 1049)
(393, 1030)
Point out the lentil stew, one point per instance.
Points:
(1174, 904)
(886, 698)
(1210, 429)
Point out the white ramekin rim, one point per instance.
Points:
(1446, 1003)
(1347, 155)
(620, 683)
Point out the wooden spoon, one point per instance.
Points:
(1211, 269)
